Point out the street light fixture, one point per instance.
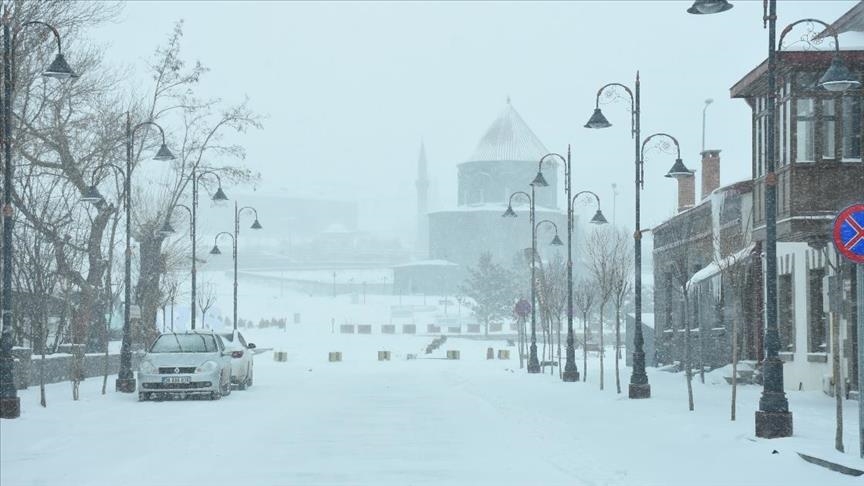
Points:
(571, 371)
(533, 361)
(125, 378)
(215, 251)
(639, 386)
(10, 404)
(218, 196)
(773, 419)
(709, 7)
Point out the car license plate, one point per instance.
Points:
(175, 379)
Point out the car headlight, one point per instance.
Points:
(207, 367)
(146, 367)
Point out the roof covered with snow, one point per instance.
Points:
(509, 138)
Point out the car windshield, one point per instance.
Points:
(184, 343)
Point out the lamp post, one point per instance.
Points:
(125, 378)
(639, 386)
(10, 404)
(219, 195)
(533, 361)
(571, 371)
(215, 251)
(773, 419)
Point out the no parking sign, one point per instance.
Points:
(849, 233)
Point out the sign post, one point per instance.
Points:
(849, 241)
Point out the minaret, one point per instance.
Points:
(421, 248)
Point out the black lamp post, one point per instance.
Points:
(533, 361)
(219, 195)
(125, 378)
(571, 371)
(10, 404)
(639, 387)
(215, 251)
(773, 419)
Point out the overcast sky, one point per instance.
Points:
(351, 88)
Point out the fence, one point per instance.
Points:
(59, 366)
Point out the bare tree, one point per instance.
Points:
(552, 296)
(621, 274)
(600, 252)
(584, 296)
(206, 297)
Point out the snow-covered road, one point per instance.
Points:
(423, 421)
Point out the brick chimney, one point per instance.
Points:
(710, 171)
(686, 191)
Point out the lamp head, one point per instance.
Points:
(556, 241)
(256, 225)
(59, 69)
(598, 218)
(509, 213)
(92, 195)
(164, 153)
(705, 7)
(597, 120)
(215, 250)
(166, 229)
(219, 195)
(539, 181)
(838, 78)
(679, 170)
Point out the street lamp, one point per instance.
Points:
(125, 378)
(533, 361)
(773, 419)
(639, 386)
(10, 404)
(215, 251)
(571, 371)
(219, 195)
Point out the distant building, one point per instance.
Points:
(505, 160)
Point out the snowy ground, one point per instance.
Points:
(423, 421)
(407, 422)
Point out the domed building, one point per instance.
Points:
(505, 161)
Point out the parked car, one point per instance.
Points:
(242, 364)
(185, 363)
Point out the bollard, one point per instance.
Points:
(490, 353)
(452, 354)
(280, 356)
(383, 355)
(410, 356)
(335, 356)
(503, 354)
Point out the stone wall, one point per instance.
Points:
(58, 367)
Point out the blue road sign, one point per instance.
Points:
(849, 233)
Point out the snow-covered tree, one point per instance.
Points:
(490, 288)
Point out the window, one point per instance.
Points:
(817, 325)
(829, 122)
(805, 130)
(786, 312)
(851, 136)
(184, 343)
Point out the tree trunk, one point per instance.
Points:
(735, 360)
(601, 344)
(520, 331)
(688, 369)
(617, 345)
(837, 372)
(584, 346)
(148, 294)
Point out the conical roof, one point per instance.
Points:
(509, 138)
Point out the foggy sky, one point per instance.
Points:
(350, 89)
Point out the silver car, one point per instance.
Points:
(241, 358)
(185, 364)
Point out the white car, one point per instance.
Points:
(185, 363)
(242, 363)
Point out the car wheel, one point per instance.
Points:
(215, 395)
(143, 396)
(243, 384)
(227, 388)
